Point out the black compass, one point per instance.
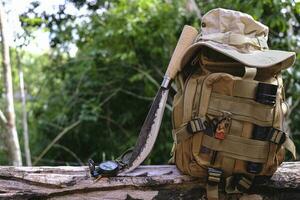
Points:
(107, 168)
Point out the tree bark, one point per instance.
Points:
(11, 139)
(24, 111)
(146, 182)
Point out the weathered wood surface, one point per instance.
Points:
(147, 182)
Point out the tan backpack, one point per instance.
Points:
(229, 108)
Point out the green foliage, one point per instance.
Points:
(122, 54)
(110, 83)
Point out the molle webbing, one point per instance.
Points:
(244, 89)
(233, 146)
(197, 93)
(238, 147)
(217, 120)
(243, 109)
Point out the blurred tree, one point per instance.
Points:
(24, 110)
(10, 134)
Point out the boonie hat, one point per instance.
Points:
(239, 36)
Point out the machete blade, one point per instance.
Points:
(149, 131)
(150, 128)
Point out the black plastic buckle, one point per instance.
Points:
(276, 136)
(270, 134)
(262, 133)
(241, 182)
(266, 93)
(196, 125)
(214, 176)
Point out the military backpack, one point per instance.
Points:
(229, 109)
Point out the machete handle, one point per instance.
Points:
(187, 38)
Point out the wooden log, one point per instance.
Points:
(146, 182)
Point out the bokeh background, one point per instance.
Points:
(89, 92)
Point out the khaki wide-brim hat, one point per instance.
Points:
(240, 37)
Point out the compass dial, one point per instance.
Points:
(108, 168)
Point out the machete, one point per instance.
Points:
(150, 128)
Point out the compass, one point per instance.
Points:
(107, 168)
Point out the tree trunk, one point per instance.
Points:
(24, 112)
(10, 136)
(191, 6)
(146, 182)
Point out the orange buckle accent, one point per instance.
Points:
(220, 135)
(223, 127)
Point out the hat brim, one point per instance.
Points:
(258, 59)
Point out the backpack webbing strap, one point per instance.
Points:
(227, 165)
(250, 73)
(245, 148)
(276, 136)
(181, 134)
(233, 146)
(254, 112)
(212, 192)
(213, 181)
(198, 125)
(290, 146)
(236, 127)
(239, 147)
(244, 89)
